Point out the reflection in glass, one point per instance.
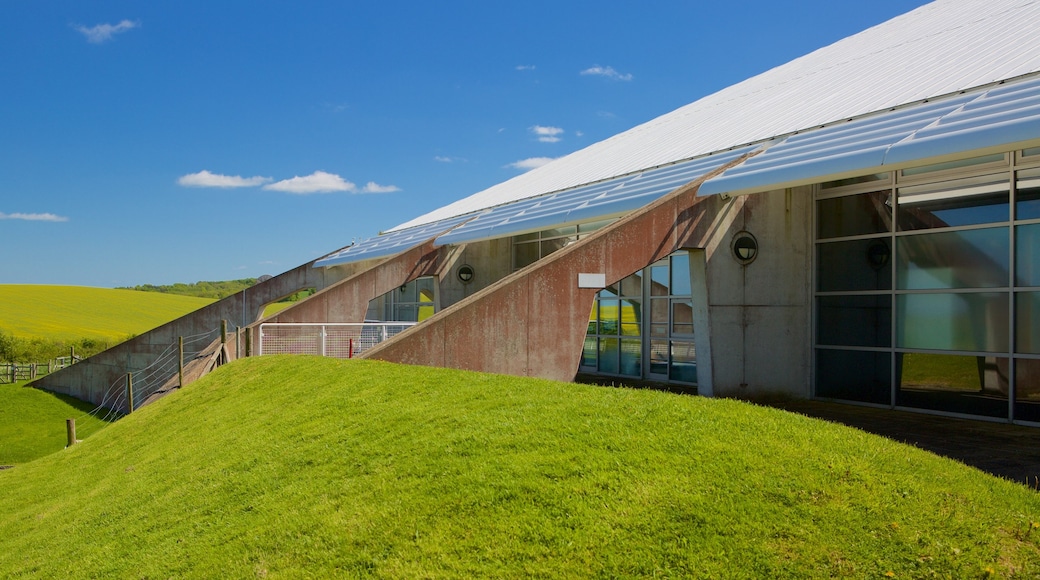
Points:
(1027, 204)
(659, 357)
(608, 316)
(854, 375)
(954, 164)
(956, 211)
(953, 383)
(631, 357)
(857, 320)
(1027, 322)
(588, 352)
(659, 317)
(684, 362)
(854, 215)
(946, 321)
(681, 275)
(631, 316)
(632, 285)
(608, 356)
(525, 254)
(659, 279)
(682, 317)
(853, 265)
(963, 259)
(1027, 389)
(1027, 262)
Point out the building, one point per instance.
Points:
(861, 224)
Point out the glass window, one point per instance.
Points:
(1031, 151)
(953, 383)
(854, 215)
(854, 265)
(964, 321)
(525, 254)
(681, 275)
(632, 285)
(588, 352)
(854, 375)
(961, 259)
(659, 317)
(659, 279)
(608, 356)
(631, 316)
(1027, 389)
(856, 320)
(857, 180)
(1027, 322)
(1027, 262)
(1027, 204)
(659, 357)
(608, 316)
(593, 226)
(631, 357)
(682, 317)
(684, 362)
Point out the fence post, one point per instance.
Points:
(249, 341)
(70, 430)
(223, 332)
(130, 392)
(180, 361)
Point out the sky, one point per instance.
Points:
(179, 141)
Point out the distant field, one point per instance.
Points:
(77, 312)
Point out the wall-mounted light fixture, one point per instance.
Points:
(745, 247)
(878, 254)
(464, 273)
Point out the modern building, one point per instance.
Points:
(861, 224)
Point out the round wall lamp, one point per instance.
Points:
(745, 247)
(464, 273)
(878, 254)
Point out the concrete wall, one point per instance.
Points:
(533, 322)
(91, 379)
(760, 313)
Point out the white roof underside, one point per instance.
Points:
(941, 48)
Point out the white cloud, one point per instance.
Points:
(547, 134)
(317, 182)
(373, 187)
(525, 67)
(607, 71)
(530, 163)
(33, 217)
(206, 179)
(447, 159)
(104, 32)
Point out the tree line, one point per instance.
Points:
(14, 349)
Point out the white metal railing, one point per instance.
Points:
(339, 340)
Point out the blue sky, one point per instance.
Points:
(161, 142)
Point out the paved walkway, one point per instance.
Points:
(1005, 450)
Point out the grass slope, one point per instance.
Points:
(76, 312)
(32, 422)
(304, 467)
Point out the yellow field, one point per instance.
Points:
(76, 312)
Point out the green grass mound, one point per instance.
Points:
(77, 312)
(304, 467)
(32, 422)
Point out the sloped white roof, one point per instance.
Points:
(941, 48)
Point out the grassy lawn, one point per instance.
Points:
(32, 422)
(77, 312)
(306, 467)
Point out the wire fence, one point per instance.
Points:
(338, 340)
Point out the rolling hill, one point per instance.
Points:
(308, 467)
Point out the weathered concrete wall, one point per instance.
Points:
(491, 261)
(91, 379)
(761, 312)
(347, 300)
(533, 322)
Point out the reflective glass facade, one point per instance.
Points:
(642, 327)
(927, 288)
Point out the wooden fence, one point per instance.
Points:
(14, 372)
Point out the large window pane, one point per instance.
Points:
(965, 259)
(969, 322)
(681, 275)
(854, 215)
(962, 202)
(608, 316)
(684, 362)
(525, 254)
(853, 265)
(631, 316)
(659, 357)
(854, 320)
(1027, 263)
(1027, 389)
(854, 375)
(589, 352)
(682, 317)
(631, 357)
(659, 279)
(632, 285)
(1027, 322)
(976, 385)
(659, 317)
